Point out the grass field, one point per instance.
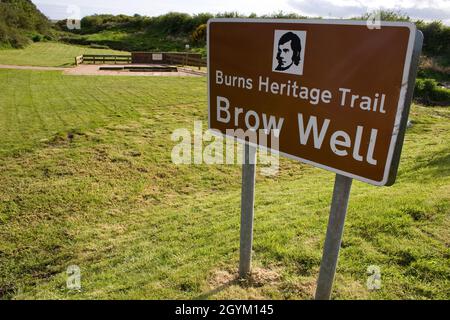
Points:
(87, 179)
(48, 54)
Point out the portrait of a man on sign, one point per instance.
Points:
(289, 51)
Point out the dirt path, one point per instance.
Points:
(10, 66)
(89, 69)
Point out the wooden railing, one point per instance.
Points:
(186, 60)
(103, 58)
(176, 58)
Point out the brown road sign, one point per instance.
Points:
(335, 93)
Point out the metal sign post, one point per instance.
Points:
(341, 194)
(247, 209)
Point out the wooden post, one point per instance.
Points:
(247, 209)
(341, 193)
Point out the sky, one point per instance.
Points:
(416, 9)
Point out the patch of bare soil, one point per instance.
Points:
(259, 277)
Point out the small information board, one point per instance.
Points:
(157, 56)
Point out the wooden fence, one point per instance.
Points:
(174, 58)
(103, 58)
(187, 60)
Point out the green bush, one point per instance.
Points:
(441, 95)
(11, 37)
(19, 18)
(428, 91)
(436, 36)
(37, 38)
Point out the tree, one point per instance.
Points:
(199, 35)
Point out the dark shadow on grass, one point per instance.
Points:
(66, 65)
(215, 291)
(437, 166)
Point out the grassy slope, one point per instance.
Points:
(136, 41)
(110, 200)
(48, 54)
(150, 40)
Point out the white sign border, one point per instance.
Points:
(400, 107)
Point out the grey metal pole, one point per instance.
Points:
(247, 209)
(341, 193)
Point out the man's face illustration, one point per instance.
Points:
(285, 54)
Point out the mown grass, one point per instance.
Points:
(87, 179)
(48, 54)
